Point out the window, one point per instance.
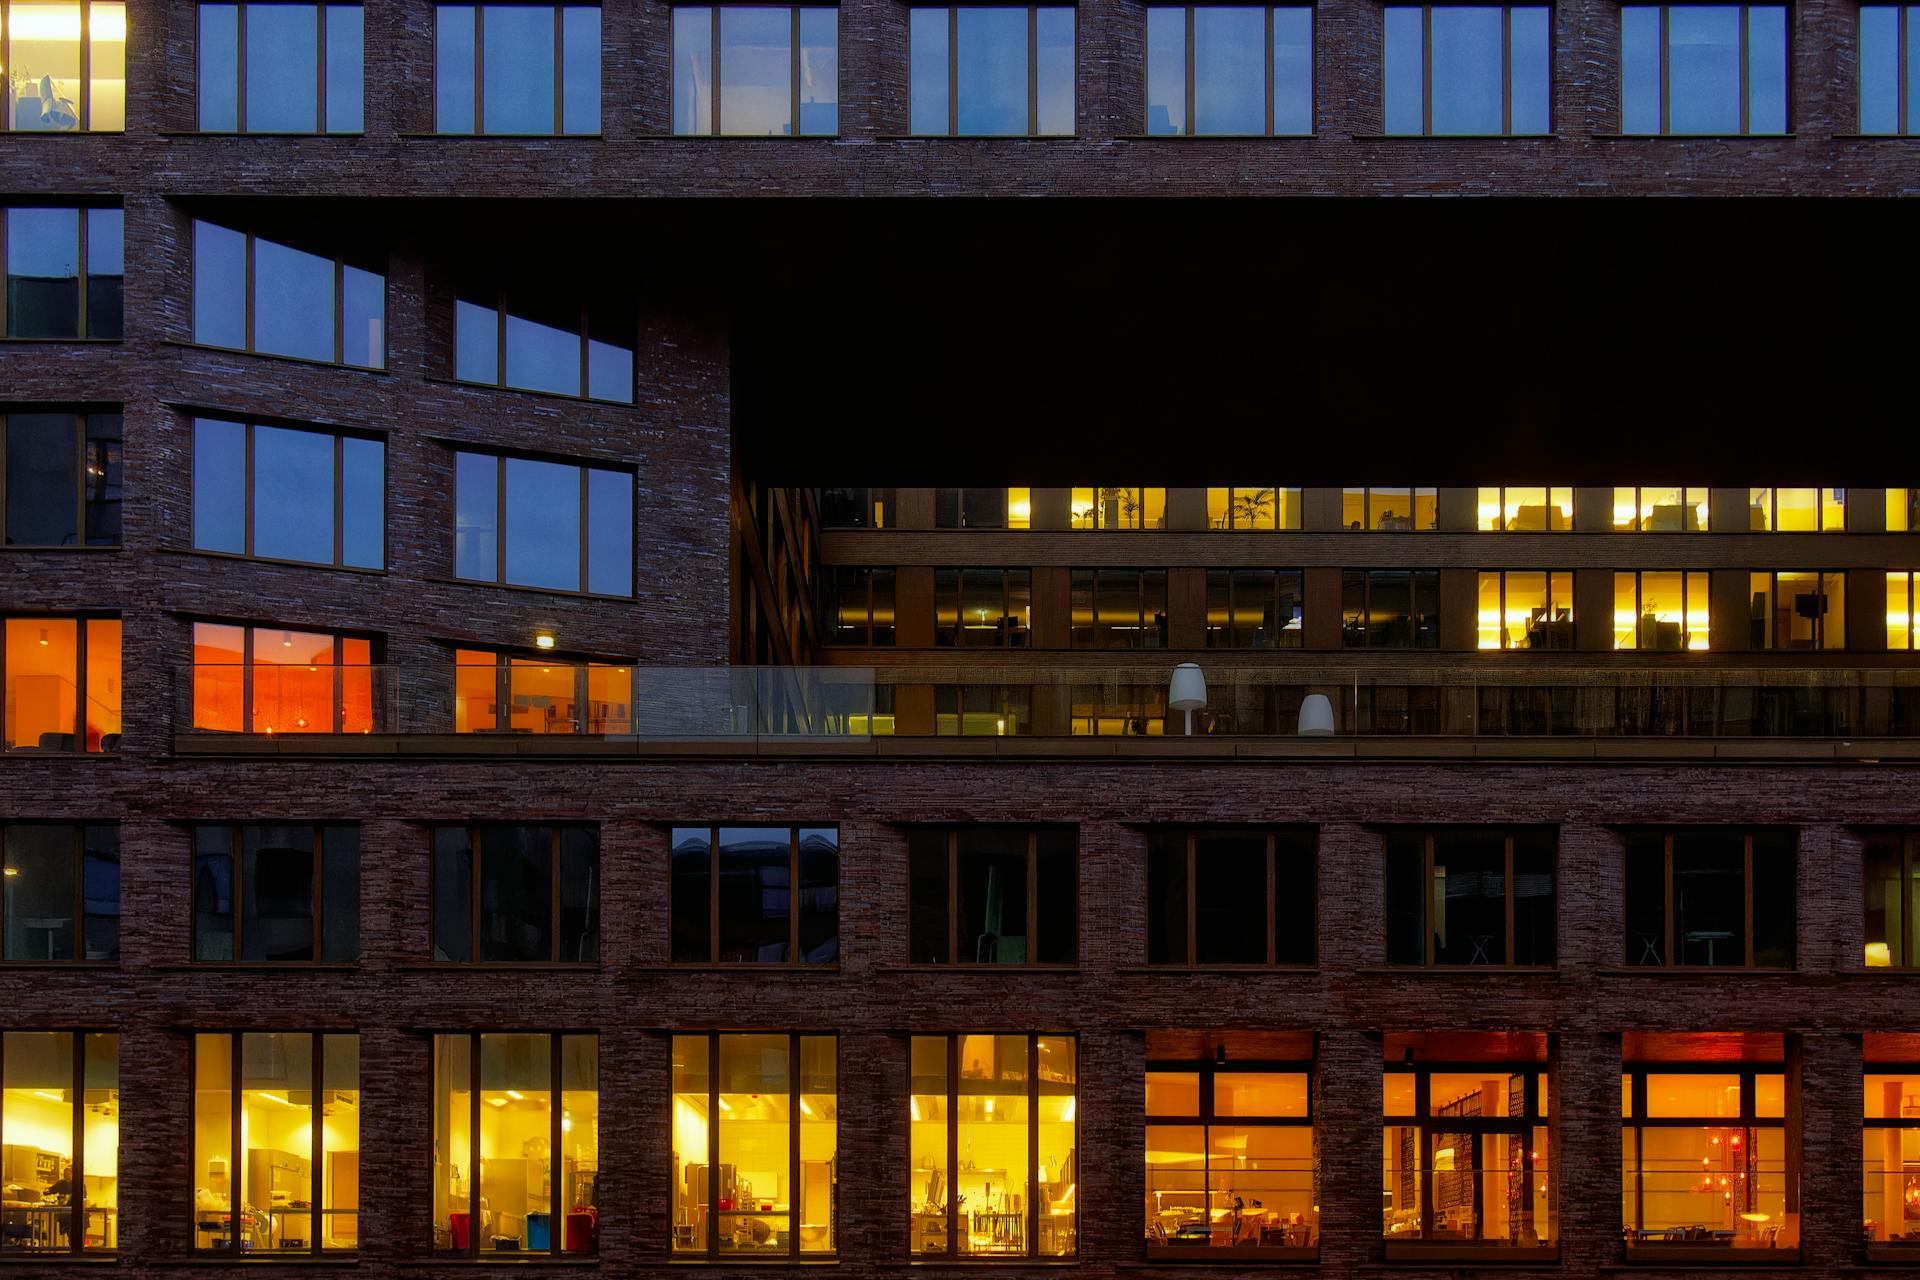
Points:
(1119, 608)
(1254, 608)
(1118, 508)
(982, 608)
(1903, 505)
(66, 63)
(61, 483)
(505, 894)
(498, 692)
(270, 680)
(1229, 1146)
(62, 681)
(1661, 611)
(1457, 897)
(1467, 1145)
(1229, 70)
(992, 1117)
(1230, 898)
(281, 67)
(1893, 901)
(1660, 510)
(62, 892)
(1799, 610)
(755, 1146)
(528, 522)
(1390, 510)
(1253, 508)
(1703, 69)
(988, 710)
(255, 294)
(1527, 510)
(276, 1127)
(1526, 609)
(1890, 1156)
(856, 605)
(65, 270)
(1390, 608)
(562, 349)
(1887, 96)
(857, 508)
(1118, 709)
(1797, 510)
(991, 70)
(270, 894)
(60, 1128)
(776, 65)
(1464, 69)
(734, 898)
(1710, 898)
(1901, 598)
(516, 69)
(289, 493)
(992, 895)
(982, 508)
(1703, 1158)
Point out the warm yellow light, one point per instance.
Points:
(1020, 509)
(805, 1110)
(273, 1097)
(13, 871)
(913, 1105)
(43, 635)
(1756, 1217)
(1066, 1116)
(566, 1124)
(724, 1106)
(49, 1095)
(516, 1095)
(1879, 955)
(989, 1106)
(498, 1102)
(543, 640)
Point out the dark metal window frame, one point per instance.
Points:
(793, 62)
(795, 955)
(248, 426)
(1274, 594)
(953, 590)
(1669, 956)
(237, 860)
(1412, 495)
(1747, 1121)
(1819, 624)
(1429, 1127)
(1276, 859)
(1510, 937)
(316, 1141)
(1363, 627)
(85, 105)
(476, 906)
(953, 703)
(1686, 606)
(1746, 57)
(951, 837)
(1506, 640)
(80, 913)
(1187, 131)
(82, 462)
(501, 511)
(1506, 66)
(868, 501)
(960, 520)
(81, 319)
(502, 667)
(341, 262)
(77, 1202)
(868, 577)
(1280, 497)
(1903, 123)
(240, 69)
(501, 308)
(339, 667)
(1146, 622)
(80, 690)
(479, 8)
(952, 11)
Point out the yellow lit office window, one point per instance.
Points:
(1525, 510)
(1118, 508)
(1660, 509)
(1253, 507)
(1353, 509)
(1526, 609)
(1019, 508)
(1833, 510)
(1902, 515)
(1900, 596)
(1661, 611)
(60, 1136)
(1489, 611)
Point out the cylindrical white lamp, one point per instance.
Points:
(1316, 716)
(1188, 691)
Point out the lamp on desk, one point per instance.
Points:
(1188, 691)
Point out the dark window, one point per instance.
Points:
(1893, 900)
(62, 891)
(61, 485)
(1806, 610)
(1390, 608)
(533, 523)
(1229, 69)
(856, 605)
(288, 493)
(991, 70)
(255, 294)
(565, 349)
(982, 508)
(1230, 898)
(65, 269)
(1118, 709)
(1458, 897)
(982, 608)
(506, 894)
(984, 710)
(734, 899)
(281, 67)
(1119, 608)
(66, 62)
(1254, 609)
(775, 66)
(517, 69)
(992, 895)
(1703, 69)
(857, 508)
(268, 894)
(1463, 69)
(1889, 73)
(273, 680)
(1708, 897)
(62, 1095)
(499, 692)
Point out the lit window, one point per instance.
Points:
(1797, 510)
(281, 67)
(1525, 510)
(1095, 508)
(1526, 609)
(856, 605)
(65, 271)
(1903, 505)
(980, 710)
(530, 69)
(1390, 608)
(1229, 70)
(1462, 69)
(255, 294)
(270, 680)
(276, 893)
(992, 896)
(1389, 510)
(61, 485)
(991, 70)
(1230, 898)
(735, 899)
(1892, 901)
(1713, 898)
(1255, 608)
(1119, 608)
(60, 1128)
(564, 350)
(1703, 69)
(276, 1143)
(776, 65)
(1660, 510)
(289, 493)
(1799, 610)
(567, 527)
(982, 608)
(499, 692)
(1253, 508)
(755, 1146)
(501, 1103)
(1890, 1159)
(66, 62)
(1460, 897)
(1902, 627)
(62, 681)
(1661, 611)
(62, 892)
(991, 1141)
(1120, 709)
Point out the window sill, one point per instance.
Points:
(500, 1260)
(500, 966)
(78, 966)
(97, 1258)
(769, 970)
(308, 361)
(1035, 970)
(256, 966)
(44, 550)
(1711, 1255)
(978, 137)
(64, 342)
(1457, 970)
(1236, 970)
(209, 1258)
(1692, 137)
(501, 137)
(1881, 1252)
(1717, 972)
(251, 133)
(64, 755)
(1455, 137)
(1428, 1252)
(541, 591)
(292, 564)
(1217, 137)
(739, 137)
(1231, 1256)
(1877, 137)
(565, 396)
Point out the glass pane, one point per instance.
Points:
(277, 1141)
(993, 1118)
(42, 670)
(755, 894)
(1056, 1196)
(1405, 113)
(1229, 75)
(609, 371)
(1261, 1187)
(340, 889)
(1259, 1093)
(579, 1226)
(1056, 897)
(476, 516)
(993, 897)
(1292, 114)
(819, 79)
(1766, 69)
(756, 1159)
(1053, 70)
(218, 59)
(610, 532)
(1167, 83)
(756, 69)
(819, 895)
(219, 286)
(1469, 899)
(215, 1182)
(693, 69)
(927, 897)
(103, 479)
(1529, 33)
(283, 66)
(516, 893)
(107, 85)
(476, 341)
(43, 271)
(339, 1172)
(1230, 899)
(39, 894)
(42, 482)
(819, 1143)
(580, 85)
(992, 70)
(543, 523)
(1691, 1097)
(452, 894)
(276, 901)
(1177, 1207)
(1890, 902)
(45, 44)
(293, 494)
(1466, 69)
(543, 357)
(692, 1166)
(928, 1181)
(517, 46)
(1709, 902)
(1173, 1093)
(692, 900)
(453, 1153)
(346, 76)
(1167, 901)
(102, 719)
(100, 1143)
(1703, 68)
(213, 893)
(1639, 87)
(363, 319)
(293, 302)
(516, 1143)
(363, 502)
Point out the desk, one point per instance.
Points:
(44, 1225)
(1708, 936)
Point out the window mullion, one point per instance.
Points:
(713, 907)
(476, 865)
(77, 1200)
(235, 1226)
(80, 221)
(315, 1124)
(480, 126)
(554, 913)
(1033, 71)
(713, 90)
(319, 896)
(473, 1102)
(1745, 125)
(794, 1205)
(320, 72)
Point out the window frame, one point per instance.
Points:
(248, 425)
(1413, 494)
(1187, 129)
(558, 7)
(341, 261)
(82, 262)
(582, 668)
(1092, 519)
(869, 577)
(240, 71)
(1281, 632)
(1498, 493)
(952, 9)
(1284, 501)
(1820, 625)
(1643, 513)
(955, 908)
(1189, 839)
(1510, 938)
(1149, 626)
(1008, 500)
(1904, 122)
(877, 505)
(793, 66)
(795, 952)
(1538, 1077)
(586, 331)
(1363, 627)
(339, 667)
(1870, 1127)
(237, 860)
(1771, 510)
(476, 907)
(82, 695)
(1635, 1100)
(1500, 625)
(84, 107)
(1905, 854)
(1009, 633)
(1664, 74)
(1506, 8)
(83, 469)
(80, 913)
(1669, 955)
(1687, 577)
(586, 469)
(77, 1204)
(1911, 581)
